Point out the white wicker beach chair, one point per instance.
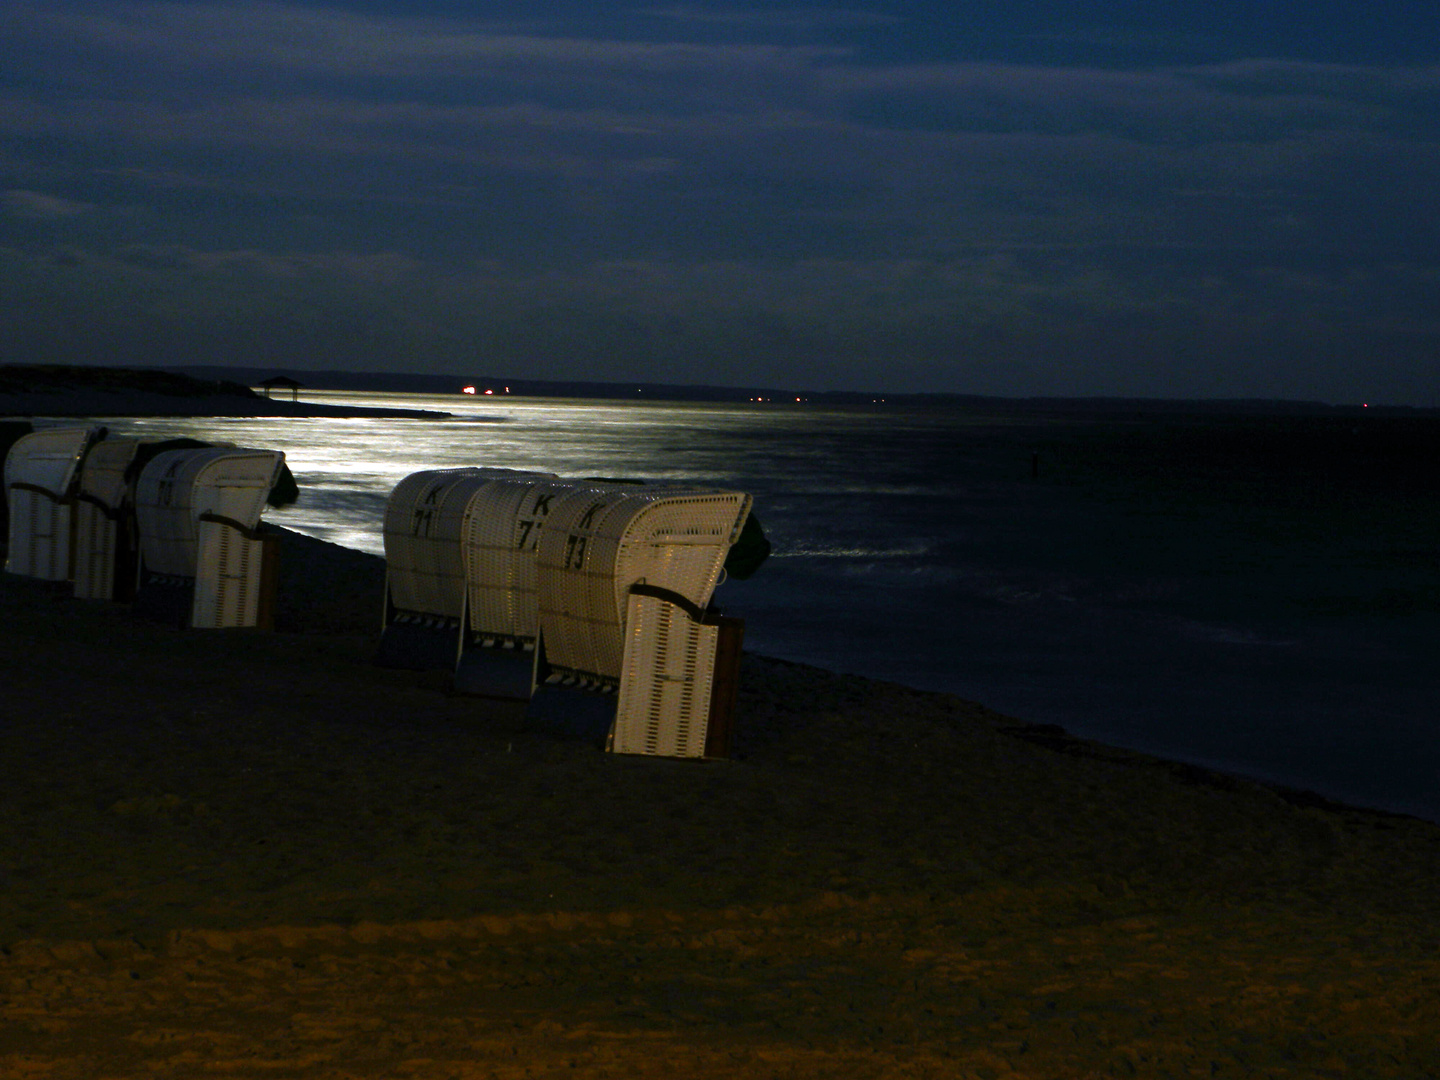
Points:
(197, 512)
(679, 679)
(104, 553)
(426, 591)
(501, 534)
(40, 477)
(624, 577)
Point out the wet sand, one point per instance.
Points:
(234, 854)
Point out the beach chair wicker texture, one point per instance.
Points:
(624, 579)
(422, 541)
(40, 474)
(230, 556)
(101, 529)
(197, 512)
(229, 578)
(597, 544)
(501, 531)
(663, 707)
(501, 537)
(425, 519)
(166, 509)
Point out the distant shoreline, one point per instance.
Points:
(1036, 406)
(54, 390)
(212, 390)
(100, 404)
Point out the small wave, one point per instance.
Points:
(875, 490)
(1006, 594)
(1234, 635)
(851, 553)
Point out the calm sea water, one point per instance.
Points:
(919, 546)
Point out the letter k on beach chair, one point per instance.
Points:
(41, 470)
(426, 520)
(500, 536)
(202, 561)
(631, 656)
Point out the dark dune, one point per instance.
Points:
(59, 391)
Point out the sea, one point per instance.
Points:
(1259, 596)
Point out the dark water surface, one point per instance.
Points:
(1257, 594)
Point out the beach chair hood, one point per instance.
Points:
(597, 545)
(179, 487)
(41, 475)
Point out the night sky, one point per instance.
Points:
(1227, 198)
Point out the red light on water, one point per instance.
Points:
(467, 389)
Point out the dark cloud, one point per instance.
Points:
(716, 193)
(37, 206)
(803, 20)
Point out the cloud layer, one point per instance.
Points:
(712, 195)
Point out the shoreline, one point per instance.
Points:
(1054, 737)
(202, 831)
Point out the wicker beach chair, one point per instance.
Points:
(501, 535)
(426, 576)
(105, 523)
(197, 512)
(41, 470)
(624, 578)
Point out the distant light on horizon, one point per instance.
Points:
(467, 390)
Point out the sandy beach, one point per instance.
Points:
(236, 854)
